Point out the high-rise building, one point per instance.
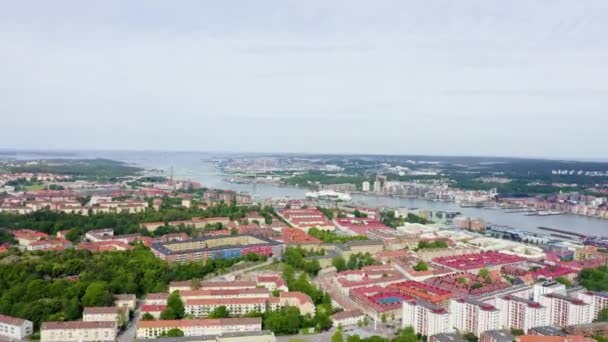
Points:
(365, 186)
(565, 310)
(546, 288)
(521, 313)
(597, 300)
(426, 318)
(472, 316)
(377, 186)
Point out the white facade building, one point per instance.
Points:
(521, 313)
(427, 319)
(198, 327)
(77, 331)
(105, 314)
(548, 287)
(598, 301)
(15, 328)
(565, 310)
(471, 316)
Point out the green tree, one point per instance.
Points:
(322, 322)
(147, 317)
(470, 337)
(175, 307)
(602, 315)
(484, 273)
(421, 266)
(517, 332)
(563, 280)
(220, 312)
(285, 321)
(337, 336)
(175, 332)
(406, 334)
(339, 263)
(97, 294)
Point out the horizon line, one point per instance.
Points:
(17, 150)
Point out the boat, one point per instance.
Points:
(329, 195)
(544, 213)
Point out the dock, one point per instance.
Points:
(562, 231)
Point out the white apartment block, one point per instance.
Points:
(427, 319)
(77, 331)
(565, 310)
(471, 316)
(598, 301)
(198, 327)
(548, 287)
(225, 294)
(156, 299)
(15, 328)
(104, 314)
(126, 301)
(236, 306)
(521, 313)
(346, 318)
(201, 303)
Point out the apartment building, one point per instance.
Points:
(598, 301)
(472, 316)
(272, 282)
(125, 301)
(154, 310)
(78, 331)
(236, 306)
(426, 318)
(190, 285)
(104, 314)
(225, 247)
(226, 294)
(565, 310)
(346, 318)
(545, 288)
(156, 298)
(15, 328)
(199, 327)
(241, 305)
(521, 313)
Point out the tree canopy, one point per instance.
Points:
(175, 307)
(55, 286)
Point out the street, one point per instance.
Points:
(128, 335)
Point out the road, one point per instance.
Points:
(322, 337)
(128, 335)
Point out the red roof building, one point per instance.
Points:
(478, 260)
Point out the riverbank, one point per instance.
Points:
(190, 166)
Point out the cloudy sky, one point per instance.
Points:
(471, 77)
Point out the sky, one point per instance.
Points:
(526, 78)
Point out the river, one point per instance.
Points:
(199, 167)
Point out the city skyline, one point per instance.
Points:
(484, 78)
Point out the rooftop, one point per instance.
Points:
(101, 310)
(199, 322)
(347, 314)
(477, 260)
(500, 335)
(73, 325)
(11, 320)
